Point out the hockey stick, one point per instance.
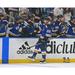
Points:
(29, 47)
(26, 43)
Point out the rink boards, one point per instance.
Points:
(59, 50)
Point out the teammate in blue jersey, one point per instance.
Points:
(55, 29)
(45, 29)
(59, 28)
(37, 23)
(71, 28)
(63, 27)
(3, 25)
(16, 29)
(32, 29)
(45, 32)
(29, 30)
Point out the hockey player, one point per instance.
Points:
(24, 17)
(3, 25)
(55, 28)
(63, 27)
(71, 28)
(16, 28)
(45, 32)
(59, 28)
(32, 29)
(37, 23)
(29, 29)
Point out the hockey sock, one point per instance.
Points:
(44, 56)
(34, 54)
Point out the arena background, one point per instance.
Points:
(9, 54)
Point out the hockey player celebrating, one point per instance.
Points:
(3, 25)
(45, 32)
(37, 23)
(63, 27)
(29, 29)
(71, 28)
(16, 28)
(59, 27)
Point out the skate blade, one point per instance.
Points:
(43, 62)
(31, 59)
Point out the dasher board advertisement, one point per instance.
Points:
(57, 51)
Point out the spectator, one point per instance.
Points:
(67, 14)
(57, 11)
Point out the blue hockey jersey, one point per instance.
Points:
(71, 31)
(16, 29)
(3, 24)
(59, 29)
(55, 28)
(45, 30)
